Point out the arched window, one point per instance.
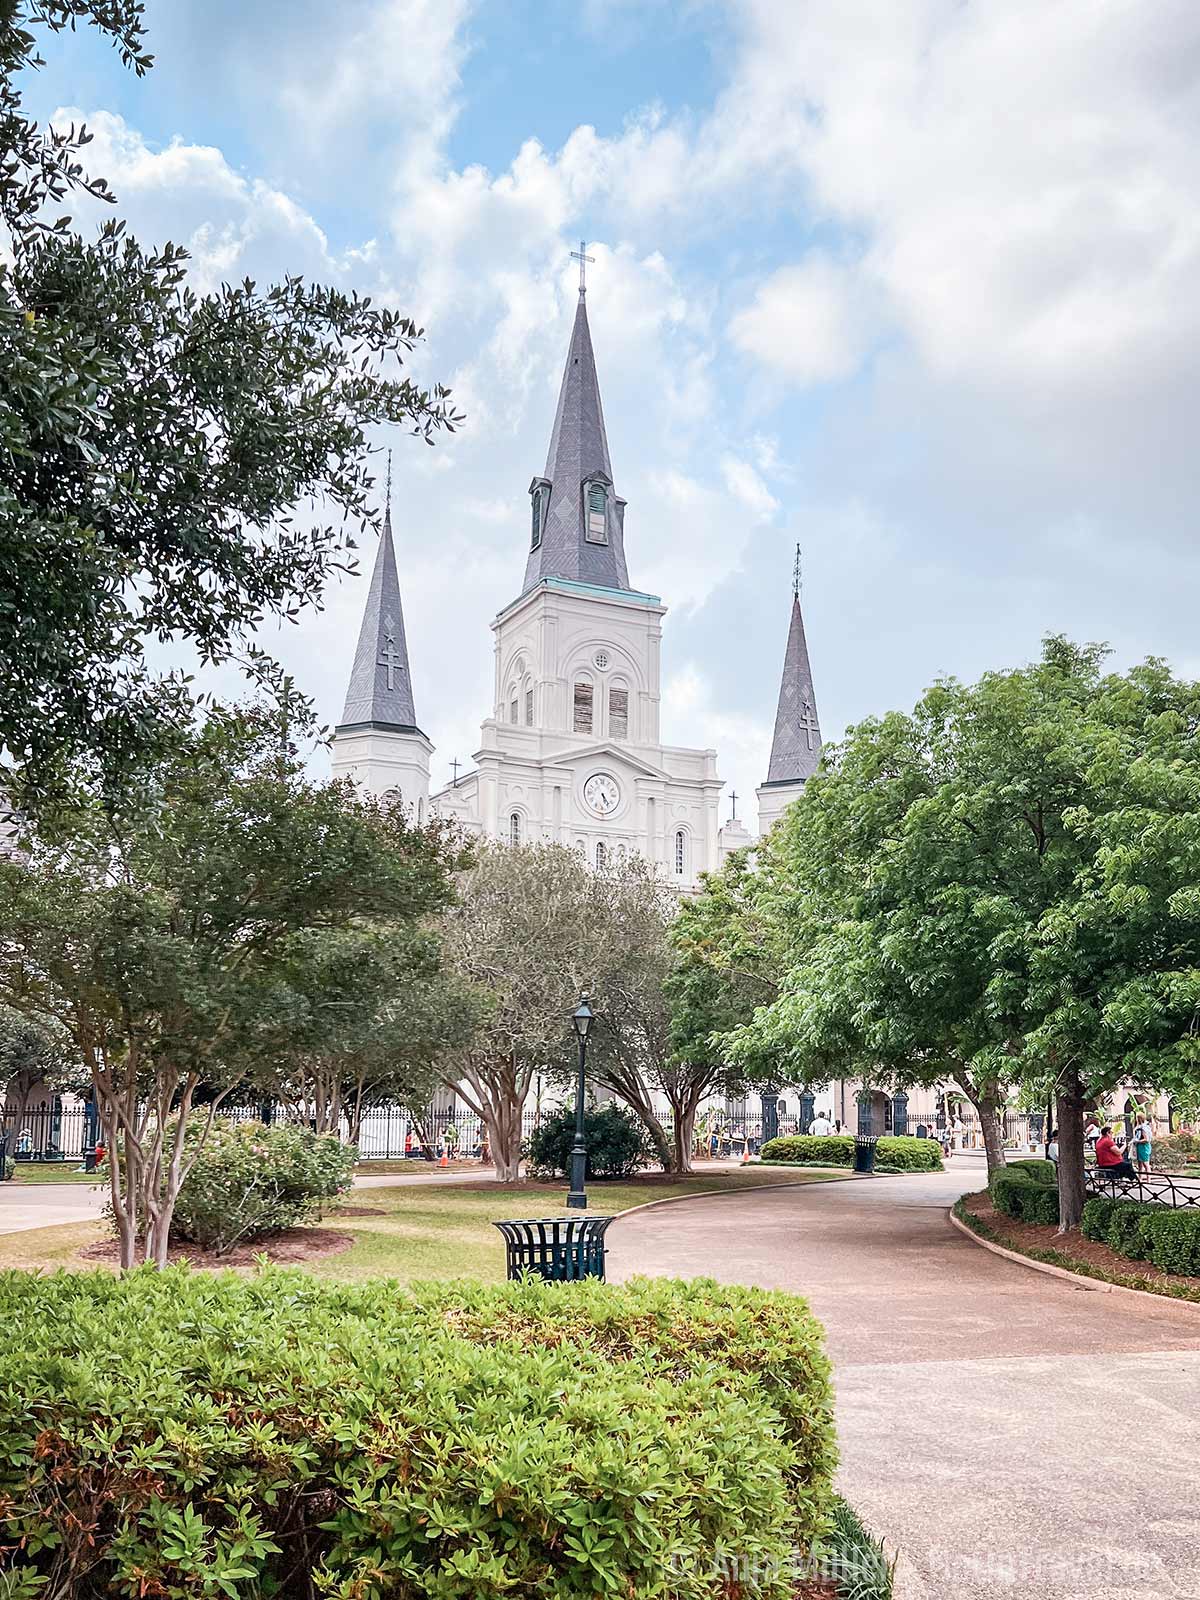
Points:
(680, 853)
(514, 828)
(597, 519)
(618, 713)
(581, 847)
(512, 709)
(538, 493)
(529, 708)
(583, 708)
(601, 855)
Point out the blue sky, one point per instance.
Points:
(910, 281)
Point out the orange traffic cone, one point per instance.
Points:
(445, 1161)
(746, 1154)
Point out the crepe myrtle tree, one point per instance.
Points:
(525, 936)
(154, 442)
(378, 1011)
(154, 928)
(1005, 883)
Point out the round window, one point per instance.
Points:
(601, 658)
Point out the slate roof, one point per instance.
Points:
(380, 683)
(796, 747)
(578, 452)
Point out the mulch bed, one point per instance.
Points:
(296, 1246)
(1026, 1237)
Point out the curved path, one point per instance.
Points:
(1011, 1434)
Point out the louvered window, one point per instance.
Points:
(514, 828)
(597, 522)
(680, 853)
(583, 708)
(529, 708)
(618, 713)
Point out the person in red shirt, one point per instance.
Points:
(1109, 1159)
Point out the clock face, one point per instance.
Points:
(602, 793)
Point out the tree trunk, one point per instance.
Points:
(1069, 1110)
(985, 1097)
(684, 1133)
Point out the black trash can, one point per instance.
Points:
(559, 1249)
(864, 1151)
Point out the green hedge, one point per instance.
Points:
(193, 1435)
(1020, 1195)
(1169, 1240)
(1040, 1170)
(892, 1154)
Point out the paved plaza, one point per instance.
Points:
(1012, 1434)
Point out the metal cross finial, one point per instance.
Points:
(454, 766)
(583, 258)
(733, 796)
(796, 575)
(389, 484)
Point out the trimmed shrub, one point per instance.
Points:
(1174, 1152)
(617, 1144)
(251, 1181)
(893, 1153)
(1018, 1194)
(184, 1435)
(1142, 1231)
(1040, 1170)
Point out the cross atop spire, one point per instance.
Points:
(583, 259)
(380, 691)
(796, 747)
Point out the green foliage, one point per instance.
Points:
(1169, 1240)
(853, 1559)
(158, 929)
(153, 444)
(1024, 1195)
(205, 1435)
(892, 1153)
(617, 1145)
(1175, 1152)
(251, 1181)
(1039, 1169)
(1001, 883)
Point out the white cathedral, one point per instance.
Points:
(572, 750)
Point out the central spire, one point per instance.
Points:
(796, 747)
(577, 527)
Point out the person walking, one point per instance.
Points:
(1143, 1144)
(820, 1127)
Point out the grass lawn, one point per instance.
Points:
(26, 1172)
(428, 1230)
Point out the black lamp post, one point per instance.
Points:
(581, 1022)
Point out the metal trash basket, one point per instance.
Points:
(559, 1249)
(864, 1151)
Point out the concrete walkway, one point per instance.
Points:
(1011, 1434)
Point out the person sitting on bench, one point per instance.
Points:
(1109, 1160)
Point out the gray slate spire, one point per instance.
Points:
(578, 459)
(380, 689)
(796, 747)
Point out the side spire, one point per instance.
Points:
(578, 520)
(380, 689)
(796, 747)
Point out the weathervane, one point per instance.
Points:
(796, 575)
(583, 258)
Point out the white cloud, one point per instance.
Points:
(808, 322)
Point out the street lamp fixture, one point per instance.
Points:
(581, 1021)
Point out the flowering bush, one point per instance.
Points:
(251, 1181)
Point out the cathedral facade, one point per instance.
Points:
(572, 750)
